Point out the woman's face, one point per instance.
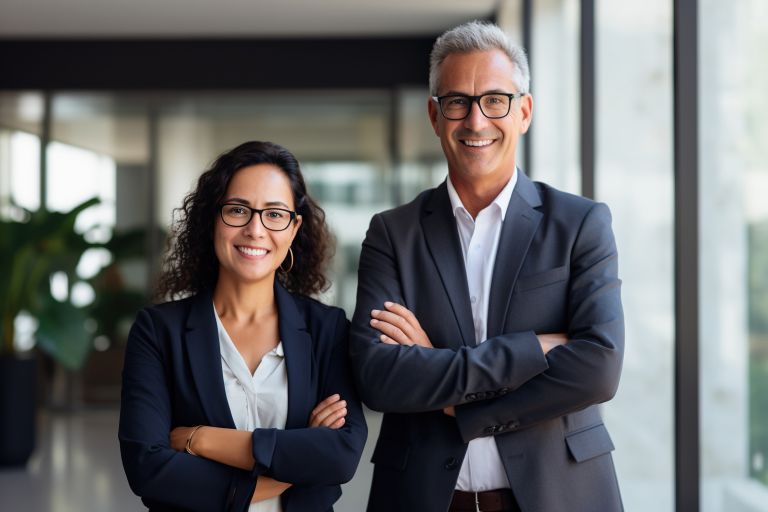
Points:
(252, 253)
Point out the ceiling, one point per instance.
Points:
(234, 18)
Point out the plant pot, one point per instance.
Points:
(18, 406)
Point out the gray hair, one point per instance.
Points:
(478, 36)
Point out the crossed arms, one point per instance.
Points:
(509, 381)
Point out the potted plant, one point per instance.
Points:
(32, 249)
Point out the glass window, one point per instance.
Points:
(21, 115)
(634, 176)
(733, 160)
(554, 63)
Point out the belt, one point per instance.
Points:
(498, 500)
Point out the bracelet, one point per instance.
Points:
(189, 441)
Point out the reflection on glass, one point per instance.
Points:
(634, 176)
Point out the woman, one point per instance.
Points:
(239, 397)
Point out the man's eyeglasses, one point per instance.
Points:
(456, 107)
(238, 215)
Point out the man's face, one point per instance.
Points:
(479, 149)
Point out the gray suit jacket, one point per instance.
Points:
(555, 271)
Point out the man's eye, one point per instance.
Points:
(457, 101)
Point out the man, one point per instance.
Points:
(489, 321)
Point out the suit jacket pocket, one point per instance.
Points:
(541, 279)
(391, 453)
(589, 443)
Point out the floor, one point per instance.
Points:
(77, 468)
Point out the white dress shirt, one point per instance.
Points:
(482, 469)
(256, 401)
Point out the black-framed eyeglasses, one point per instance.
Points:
(496, 105)
(239, 215)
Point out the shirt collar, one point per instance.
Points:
(501, 200)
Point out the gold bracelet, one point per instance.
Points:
(189, 441)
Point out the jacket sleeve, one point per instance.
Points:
(318, 456)
(406, 379)
(586, 370)
(156, 472)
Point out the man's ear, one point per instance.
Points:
(434, 110)
(526, 109)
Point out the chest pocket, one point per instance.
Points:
(541, 279)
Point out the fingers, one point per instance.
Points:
(393, 325)
(328, 412)
(398, 325)
(404, 312)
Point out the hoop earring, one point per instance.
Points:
(290, 252)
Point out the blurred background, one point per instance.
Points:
(110, 110)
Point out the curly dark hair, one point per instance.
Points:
(191, 266)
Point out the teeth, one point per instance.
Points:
(477, 143)
(252, 252)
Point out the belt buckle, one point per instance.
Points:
(477, 502)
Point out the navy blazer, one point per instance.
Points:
(172, 377)
(555, 271)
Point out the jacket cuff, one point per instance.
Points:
(263, 441)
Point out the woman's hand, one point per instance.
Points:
(179, 437)
(329, 413)
(398, 326)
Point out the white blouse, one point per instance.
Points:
(256, 401)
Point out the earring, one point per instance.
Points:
(290, 252)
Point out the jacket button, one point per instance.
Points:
(451, 463)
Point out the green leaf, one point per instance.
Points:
(62, 333)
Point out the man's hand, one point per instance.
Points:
(550, 341)
(398, 326)
(329, 413)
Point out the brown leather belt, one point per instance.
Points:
(498, 500)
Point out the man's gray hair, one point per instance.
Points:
(478, 36)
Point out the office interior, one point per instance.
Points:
(655, 107)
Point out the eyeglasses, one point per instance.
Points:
(456, 107)
(238, 215)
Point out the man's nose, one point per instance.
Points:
(475, 118)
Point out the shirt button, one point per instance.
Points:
(473, 299)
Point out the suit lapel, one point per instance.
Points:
(439, 227)
(297, 346)
(202, 343)
(517, 231)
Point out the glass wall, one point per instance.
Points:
(554, 65)
(733, 160)
(634, 176)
